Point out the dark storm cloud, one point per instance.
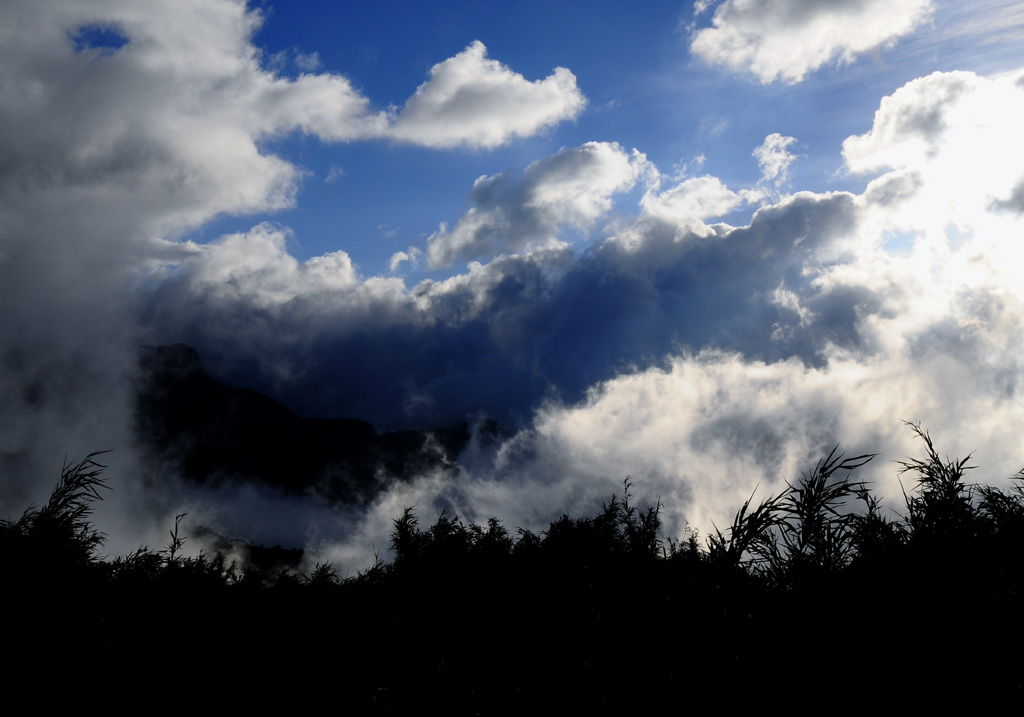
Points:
(521, 328)
(1015, 202)
(893, 189)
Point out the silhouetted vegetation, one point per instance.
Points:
(817, 585)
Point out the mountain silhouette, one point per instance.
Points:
(212, 432)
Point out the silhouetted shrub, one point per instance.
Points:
(498, 621)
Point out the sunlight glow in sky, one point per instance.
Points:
(698, 244)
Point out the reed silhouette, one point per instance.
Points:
(818, 584)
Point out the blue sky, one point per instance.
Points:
(643, 87)
(699, 244)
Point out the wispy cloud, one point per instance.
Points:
(774, 157)
(334, 174)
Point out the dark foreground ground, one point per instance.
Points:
(798, 605)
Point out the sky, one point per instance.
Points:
(698, 245)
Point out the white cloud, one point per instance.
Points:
(112, 151)
(568, 190)
(802, 330)
(167, 128)
(701, 5)
(401, 257)
(707, 430)
(755, 351)
(951, 145)
(108, 149)
(307, 62)
(256, 268)
(478, 102)
(786, 39)
(334, 174)
(911, 124)
(774, 157)
(934, 334)
(690, 202)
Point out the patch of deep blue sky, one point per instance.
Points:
(644, 92)
(107, 40)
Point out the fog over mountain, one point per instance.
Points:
(618, 306)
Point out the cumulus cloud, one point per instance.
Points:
(911, 124)
(845, 338)
(255, 267)
(475, 101)
(947, 146)
(698, 357)
(166, 127)
(125, 126)
(786, 39)
(690, 202)
(704, 430)
(702, 359)
(807, 277)
(707, 429)
(111, 139)
(505, 334)
(568, 190)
